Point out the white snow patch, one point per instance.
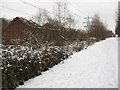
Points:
(95, 67)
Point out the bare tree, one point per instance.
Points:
(63, 15)
(70, 21)
(59, 11)
(42, 17)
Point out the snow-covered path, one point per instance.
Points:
(95, 67)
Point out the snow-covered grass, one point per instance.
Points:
(94, 67)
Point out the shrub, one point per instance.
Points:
(19, 65)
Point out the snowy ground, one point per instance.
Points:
(95, 67)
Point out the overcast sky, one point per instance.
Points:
(105, 8)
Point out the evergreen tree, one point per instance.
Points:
(117, 31)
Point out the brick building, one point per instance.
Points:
(18, 27)
(14, 32)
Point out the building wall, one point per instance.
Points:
(17, 30)
(14, 31)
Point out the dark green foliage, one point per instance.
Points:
(117, 31)
(16, 71)
(5, 23)
(97, 29)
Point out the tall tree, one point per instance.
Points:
(98, 29)
(70, 21)
(42, 17)
(63, 15)
(117, 31)
(5, 23)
